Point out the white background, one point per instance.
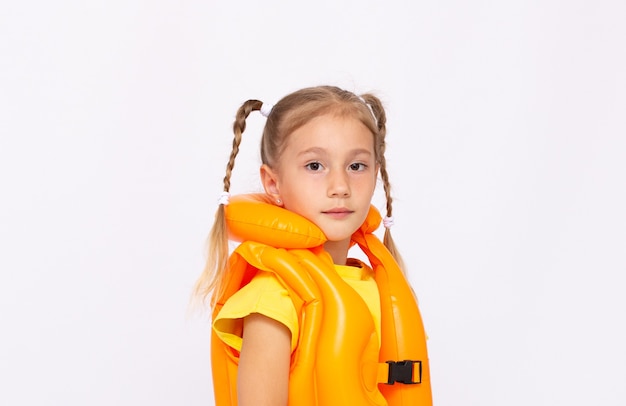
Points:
(507, 147)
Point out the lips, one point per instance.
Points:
(338, 213)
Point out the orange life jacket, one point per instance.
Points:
(337, 360)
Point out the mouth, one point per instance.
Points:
(338, 213)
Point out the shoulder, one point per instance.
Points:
(264, 295)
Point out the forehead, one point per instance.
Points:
(332, 132)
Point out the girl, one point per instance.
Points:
(295, 321)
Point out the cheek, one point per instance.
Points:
(368, 184)
(297, 191)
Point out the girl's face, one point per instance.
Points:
(327, 174)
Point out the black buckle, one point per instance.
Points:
(402, 371)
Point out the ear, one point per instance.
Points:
(269, 179)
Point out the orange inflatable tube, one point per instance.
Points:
(337, 360)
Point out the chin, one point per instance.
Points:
(337, 237)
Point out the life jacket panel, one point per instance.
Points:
(336, 360)
(403, 335)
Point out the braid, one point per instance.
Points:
(380, 145)
(384, 175)
(239, 126)
(211, 279)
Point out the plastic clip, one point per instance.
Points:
(407, 372)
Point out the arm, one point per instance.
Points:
(263, 375)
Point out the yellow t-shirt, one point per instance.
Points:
(265, 295)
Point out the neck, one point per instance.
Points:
(338, 250)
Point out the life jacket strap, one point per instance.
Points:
(408, 372)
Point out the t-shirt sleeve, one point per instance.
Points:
(265, 295)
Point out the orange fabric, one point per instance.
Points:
(337, 359)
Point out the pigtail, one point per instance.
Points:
(212, 277)
(377, 109)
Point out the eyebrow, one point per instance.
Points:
(319, 150)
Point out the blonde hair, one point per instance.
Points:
(290, 113)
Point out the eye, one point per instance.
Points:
(314, 166)
(357, 166)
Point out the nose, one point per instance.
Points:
(338, 184)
